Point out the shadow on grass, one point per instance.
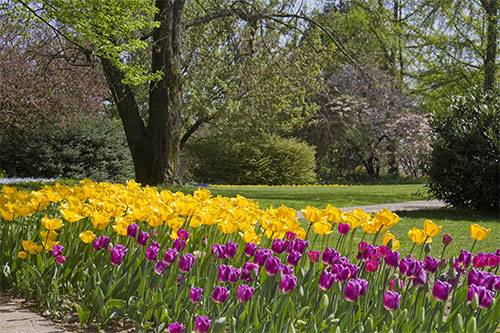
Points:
(451, 214)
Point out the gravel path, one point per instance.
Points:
(14, 318)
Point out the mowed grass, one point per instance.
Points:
(298, 197)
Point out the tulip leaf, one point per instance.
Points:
(219, 325)
(116, 303)
(83, 315)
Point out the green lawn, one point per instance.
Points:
(319, 196)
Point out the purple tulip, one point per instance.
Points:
(176, 328)
(234, 274)
(441, 290)
(326, 280)
(286, 269)
(101, 243)
(223, 275)
(353, 270)
(273, 265)
(202, 324)
(186, 262)
(246, 272)
(391, 300)
(179, 244)
(290, 236)
(330, 256)
(195, 294)
(485, 296)
(396, 284)
(382, 250)
(342, 272)
(220, 294)
(160, 267)
(464, 259)
(183, 234)
(392, 259)
(117, 253)
(57, 250)
(372, 265)
(152, 253)
(279, 246)
(142, 238)
(288, 283)
(244, 293)
(492, 260)
(300, 245)
(364, 286)
(261, 256)
(420, 279)
(314, 256)
(447, 240)
(250, 249)
(352, 290)
(219, 250)
(132, 230)
(343, 228)
(60, 259)
(479, 261)
(170, 256)
(365, 251)
(410, 267)
(431, 264)
(294, 258)
(231, 249)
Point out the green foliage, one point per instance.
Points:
(93, 149)
(465, 168)
(259, 160)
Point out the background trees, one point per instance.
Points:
(356, 78)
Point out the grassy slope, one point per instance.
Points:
(319, 196)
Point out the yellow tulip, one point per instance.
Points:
(22, 255)
(249, 236)
(312, 214)
(300, 232)
(333, 214)
(477, 232)
(201, 194)
(49, 244)
(175, 223)
(322, 228)
(69, 214)
(87, 236)
(120, 228)
(31, 247)
(227, 227)
(386, 217)
(431, 229)
(48, 234)
(154, 220)
(52, 224)
(100, 220)
(395, 243)
(369, 227)
(418, 236)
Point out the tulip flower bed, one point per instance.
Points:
(175, 262)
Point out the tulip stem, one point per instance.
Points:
(473, 244)
(350, 242)
(411, 250)
(422, 249)
(432, 317)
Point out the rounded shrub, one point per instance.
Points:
(266, 159)
(90, 148)
(464, 169)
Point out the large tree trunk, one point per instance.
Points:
(155, 147)
(491, 8)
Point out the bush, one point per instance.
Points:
(464, 167)
(93, 149)
(262, 160)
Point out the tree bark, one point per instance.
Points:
(155, 147)
(491, 8)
